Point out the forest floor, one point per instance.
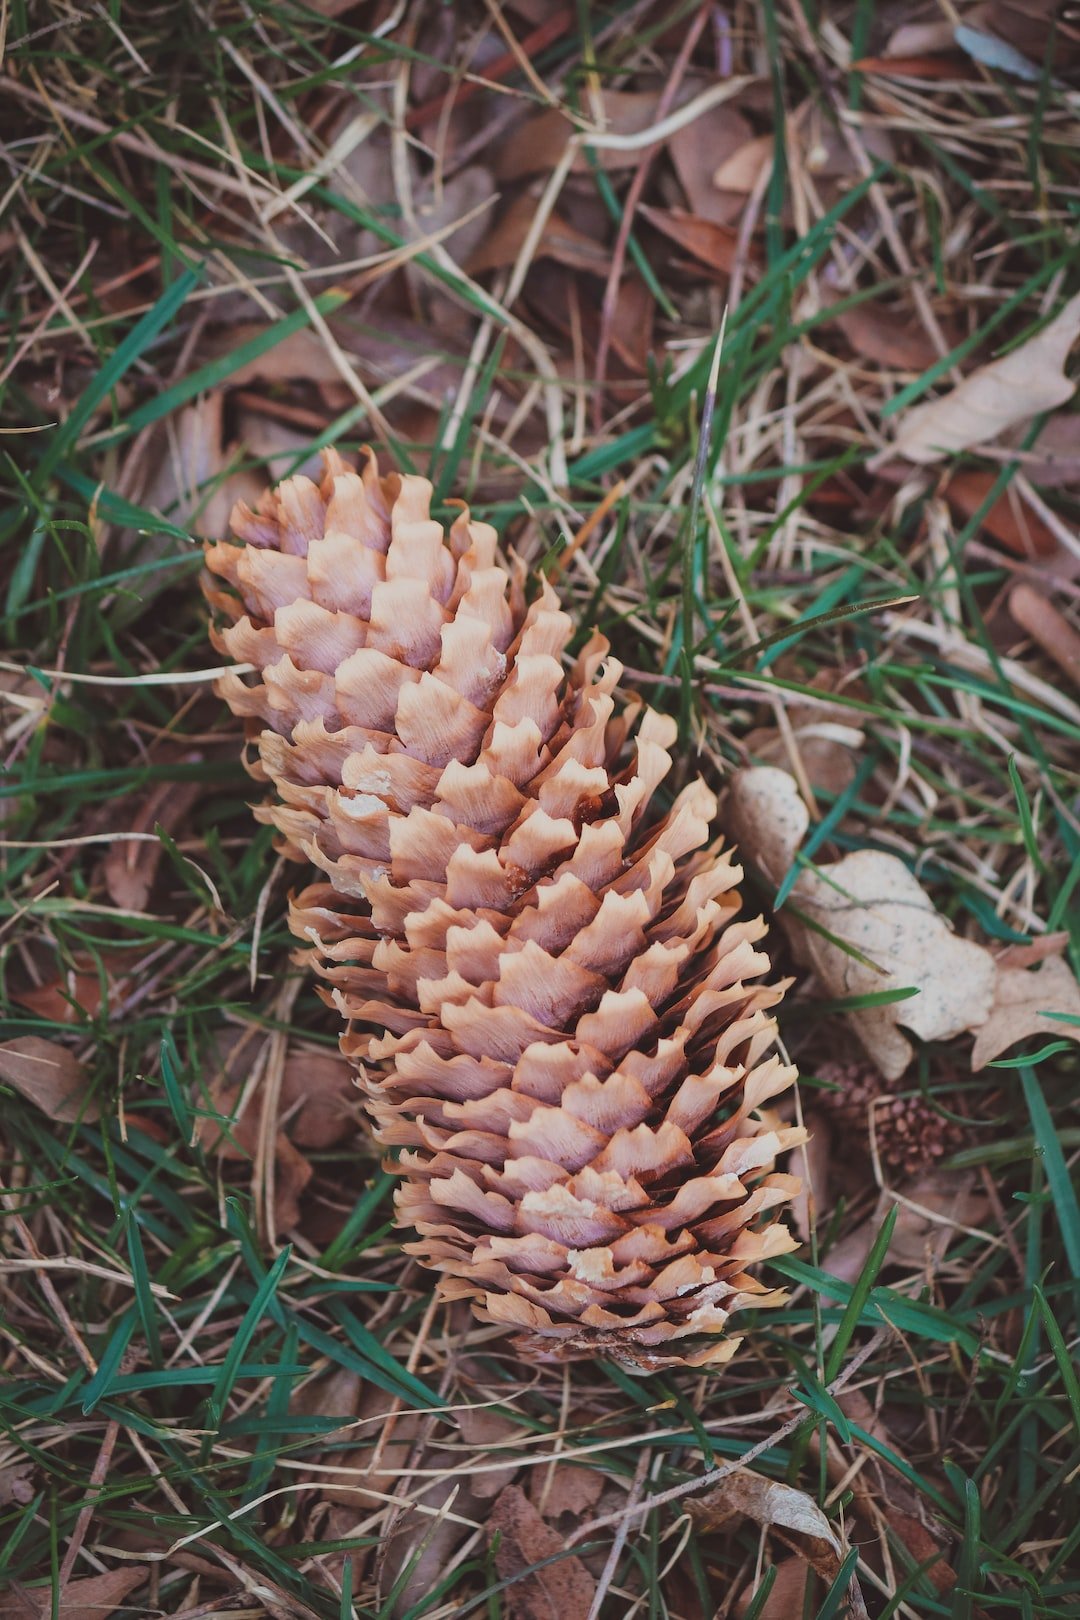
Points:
(500, 242)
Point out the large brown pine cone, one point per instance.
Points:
(548, 999)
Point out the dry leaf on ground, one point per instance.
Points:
(769, 1503)
(1056, 452)
(49, 1076)
(698, 149)
(786, 1595)
(1018, 386)
(938, 1205)
(191, 455)
(560, 240)
(821, 731)
(887, 933)
(317, 1108)
(563, 1589)
(78, 988)
(789, 1514)
(1048, 627)
(1033, 952)
(715, 245)
(131, 864)
(891, 338)
(91, 1599)
(566, 1488)
(745, 168)
(1009, 518)
(1021, 997)
(537, 145)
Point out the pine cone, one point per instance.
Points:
(545, 989)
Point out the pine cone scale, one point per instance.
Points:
(546, 994)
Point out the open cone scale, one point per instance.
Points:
(554, 1013)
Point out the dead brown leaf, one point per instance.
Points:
(1048, 627)
(16, 1482)
(1036, 951)
(789, 1514)
(490, 1435)
(1056, 452)
(1009, 518)
(131, 865)
(561, 241)
(75, 993)
(698, 150)
(319, 1099)
(714, 245)
(922, 1546)
(565, 1488)
(49, 1076)
(564, 1588)
(886, 335)
(1021, 998)
(537, 145)
(317, 1108)
(89, 1599)
(822, 732)
(191, 453)
(937, 1206)
(632, 325)
(881, 929)
(787, 1595)
(1019, 385)
(745, 168)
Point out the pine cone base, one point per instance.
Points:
(558, 1021)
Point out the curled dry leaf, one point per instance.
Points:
(769, 1503)
(1021, 998)
(885, 931)
(1021, 384)
(789, 1514)
(563, 1588)
(49, 1076)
